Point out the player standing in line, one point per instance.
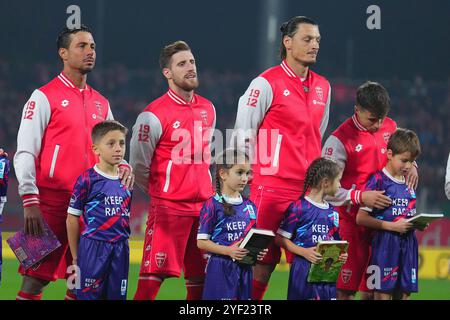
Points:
(307, 221)
(394, 244)
(101, 253)
(284, 114)
(359, 147)
(225, 219)
(170, 154)
(54, 148)
(4, 177)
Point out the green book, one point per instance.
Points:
(424, 218)
(327, 270)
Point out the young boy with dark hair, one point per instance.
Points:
(101, 253)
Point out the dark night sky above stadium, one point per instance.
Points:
(414, 36)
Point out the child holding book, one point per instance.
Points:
(224, 221)
(394, 245)
(306, 222)
(101, 252)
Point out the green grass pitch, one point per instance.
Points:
(173, 289)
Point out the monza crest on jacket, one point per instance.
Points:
(319, 93)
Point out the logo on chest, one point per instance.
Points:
(358, 148)
(176, 124)
(319, 92)
(99, 108)
(204, 116)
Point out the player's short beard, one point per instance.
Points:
(185, 85)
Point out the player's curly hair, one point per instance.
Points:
(225, 161)
(320, 169)
(290, 28)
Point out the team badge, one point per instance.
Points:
(73, 199)
(204, 116)
(319, 93)
(346, 274)
(160, 258)
(123, 287)
(251, 212)
(99, 107)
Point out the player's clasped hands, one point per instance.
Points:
(312, 255)
(262, 254)
(237, 253)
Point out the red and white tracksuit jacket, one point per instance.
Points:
(54, 139)
(360, 153)
(170, 151)
(286, 117)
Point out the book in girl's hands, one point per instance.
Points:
(424, 218)
(255, 241)
(328, 268)
(30, 249)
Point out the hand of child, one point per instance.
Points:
(312, 255)
(401, 226)
(236, 253)
(262, 254)
(343, 257)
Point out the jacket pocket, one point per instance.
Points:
(53, 163)
(168, 170)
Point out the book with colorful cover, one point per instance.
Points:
(328, 268)
(30, 249)
(255, 241)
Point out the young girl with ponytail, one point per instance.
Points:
(224, 221)
(307, 221)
